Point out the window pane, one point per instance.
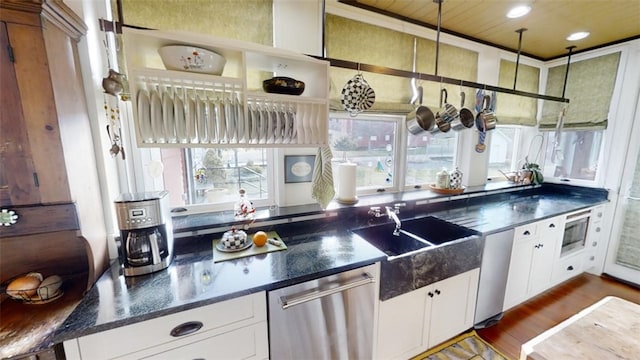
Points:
(501, 151)
(214, 175)
(574, 154)
(370, 143)
(427, 154)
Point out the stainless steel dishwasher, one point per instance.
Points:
(494, 271)
(327, 318)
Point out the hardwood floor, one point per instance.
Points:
(524, 322)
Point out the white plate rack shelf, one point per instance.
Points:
(187, 109)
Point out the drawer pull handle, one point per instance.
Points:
(526, 233)
(437, 292)
(598, 229)
(552, 225)
(186, 328)
(430, 294)
(570, 268)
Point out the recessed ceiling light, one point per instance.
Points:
(518, 11)
(577, 36)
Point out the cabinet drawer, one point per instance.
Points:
(216, 318)
(525, 232)
(250, 342)
(552, 225)
(568, 267)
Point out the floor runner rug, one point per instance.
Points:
(468, 346)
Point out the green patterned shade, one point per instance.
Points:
(589, 90)
(356, 41)
(514, 109)
(247, 20)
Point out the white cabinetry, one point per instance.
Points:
(532, 258)
(231, 329)
(595, 247)
(583, 257)
(418, 320)
(202, 110)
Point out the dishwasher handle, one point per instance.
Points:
(287, 302)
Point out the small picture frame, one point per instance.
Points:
(298, 168)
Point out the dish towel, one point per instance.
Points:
(322, 187)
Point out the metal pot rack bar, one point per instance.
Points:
(345, 64)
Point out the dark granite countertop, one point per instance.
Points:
(194, 280)
(315, 248)
(514, 209)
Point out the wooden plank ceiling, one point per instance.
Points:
(548, 24)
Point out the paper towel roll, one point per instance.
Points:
(347, 181)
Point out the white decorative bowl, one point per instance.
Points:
(193, 59)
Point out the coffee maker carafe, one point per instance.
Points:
(146, 235)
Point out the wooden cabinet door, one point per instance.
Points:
(17, 172)
(400, 325)
(44, 171)
(452, 306)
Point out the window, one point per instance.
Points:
(573, 154)
(502, 149)
(427, 154)
(370, 142)
(209, 176)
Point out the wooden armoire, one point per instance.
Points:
(48, 173)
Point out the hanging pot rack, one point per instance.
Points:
(116, 26)
(376, 69)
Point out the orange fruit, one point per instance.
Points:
(260, 238)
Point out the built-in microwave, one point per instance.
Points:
(575, 232)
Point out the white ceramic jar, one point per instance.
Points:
(442, 179)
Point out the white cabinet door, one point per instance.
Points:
(535, 250)
(544, 255)
(519, 269)
(400, 325)
(414, 322)
(452, 306)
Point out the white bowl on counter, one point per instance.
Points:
(192, 59)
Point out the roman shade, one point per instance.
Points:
(589, 90)
(514, 109)
(356, 41)
(248, 20)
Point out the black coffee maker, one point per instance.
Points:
(146, 234)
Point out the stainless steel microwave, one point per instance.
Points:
(575, 232)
